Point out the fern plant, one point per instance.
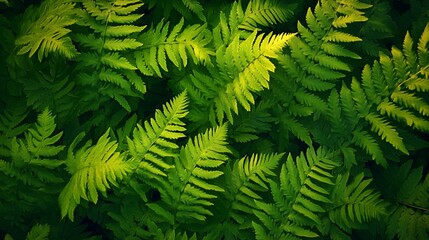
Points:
(29, 168)
(45, 31)
(105, 44)
(93, 168)
(390, 89)
(176, 45)
(300, 199)
(314, 63)
(142, 119)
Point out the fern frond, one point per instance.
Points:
(191, 190)
(250, 124)
(195, 7)
(11, 125)
(38, 232)
(317, 51)
(152, 142)
(177, 46)
(364, 140)
(392, 110)
(300, 198)
(296, 128)
(409, 100)
(386, 132)
(33, 156)
(93, 169)
(45, 31)
(263, 13)
(106, 64)
(244, 69)
(355, 203)
(245, 181)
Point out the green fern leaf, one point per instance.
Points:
(263, 13)
(400, 114)
(409, 100)
(105, 66)
(123, 30)
(177, 46)
(296, 128)
(114, 60)
(195, 169)
(300, 197)
(121, 44)
(45, 30)
(195, 7)
(33, 155)
(153, 141)
(365, 141)
(348, 106)
(336, 36)
(93, 168)
(38, 232)
(386, 132)
(111, 76)
(354, 203)
(247, 177)
(422, 47)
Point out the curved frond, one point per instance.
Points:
(355, 203)
(153, 142)
(245, 68)
(178, 46)
(108, 68)
(301, 197)
(93, 169)
(45, 31)
(245, 182)
(191, 189)
(263, 13)
(32, 157)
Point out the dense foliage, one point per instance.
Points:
(198, 119)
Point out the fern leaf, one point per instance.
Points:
(300, 197)
(422, 47)
(123, 30)
(409, 100)
(348, 106)
(264, 13)
(248, 72)
(114, 60)
(195, 7)
(38, 232)
(45, 30)
(354, 203)
(121, 44)
(33, 155)
(400, 114)
(153, 141)
(386, 132)
(93, 168)
(296, 128)
(365, 141)
(247, 177)
(105, 64)
(178, 46)
(335, 36)
(191, 190)
(338, 50)
(111, 76)
(360, 98)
